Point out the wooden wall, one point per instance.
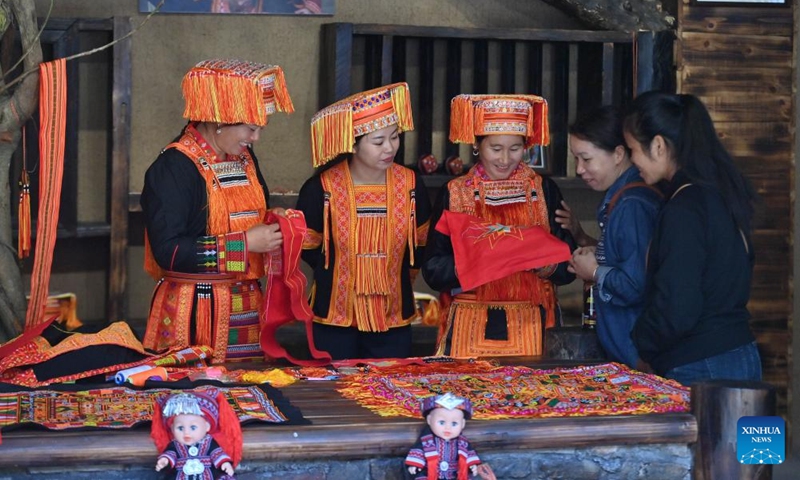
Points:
(739, 60)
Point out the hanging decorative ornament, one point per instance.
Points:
(454, 165)
(427, 164)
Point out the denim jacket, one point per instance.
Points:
(621, 254)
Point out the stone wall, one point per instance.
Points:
(651, 462)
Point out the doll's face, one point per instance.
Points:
(446, 424)
(189, 429)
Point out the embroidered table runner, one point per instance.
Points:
(520, 392)
(121, 407)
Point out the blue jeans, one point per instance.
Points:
(742, 363)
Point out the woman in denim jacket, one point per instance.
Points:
(615, 262)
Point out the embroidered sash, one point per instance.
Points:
(370, 227)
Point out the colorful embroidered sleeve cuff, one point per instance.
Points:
(233, 253)
(312, 240)
(222, 253)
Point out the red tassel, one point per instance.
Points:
(462, 468)
(203, 317)
(229, 431)
(158, 431)
(433, 467)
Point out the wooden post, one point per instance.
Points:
(717, 405)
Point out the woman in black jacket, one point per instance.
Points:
(695, 323)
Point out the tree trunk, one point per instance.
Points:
(622, 15)
(16, 107)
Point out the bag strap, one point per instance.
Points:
(614, 199)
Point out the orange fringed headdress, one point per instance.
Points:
(334, 128)
(478, 115)
(234, 91)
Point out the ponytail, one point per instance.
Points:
(684, 122)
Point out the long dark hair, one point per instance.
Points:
(684, 123)
(602, 126)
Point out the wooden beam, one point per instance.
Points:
(336, 63)
(749, 20)
(722, 50)
(519, 34)
(66, 45)
(120, 172)
(718, 405)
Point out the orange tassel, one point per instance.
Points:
(326, 231)
(412, 227)
(229, 431)
(24, 216)
(203, 316)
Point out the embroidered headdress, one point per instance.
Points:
(234, 91)
(473, 116)
(210, 404)
(448, 401)
(335, 127)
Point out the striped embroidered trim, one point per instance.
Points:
(234, 257)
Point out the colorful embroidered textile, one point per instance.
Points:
(286, 289)
(52, 124)
(335, 127)
(230, 91)
(486, 251)
(18, 367)
(372, 229)
(120, 407)
(474, 116)
(521, 392)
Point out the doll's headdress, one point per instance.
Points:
(448, 401)
(200, 404)
(234, 91)
(335, 127)
(209, 403)
(473, 116)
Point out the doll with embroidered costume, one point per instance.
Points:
(441, 452)
(198, 434)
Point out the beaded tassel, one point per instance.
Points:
(24, 216)
(203, 317)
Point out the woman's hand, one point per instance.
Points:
(570, 222)
(583, 263)
(264, 238)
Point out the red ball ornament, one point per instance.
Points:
(428, 164)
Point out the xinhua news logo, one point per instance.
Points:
(761, 440)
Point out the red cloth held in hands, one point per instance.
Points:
(486, 251)
(285, 297)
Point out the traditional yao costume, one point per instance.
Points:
(506, 316)
(197, 209)
(437, 458)
(364, 242)
(202, 460)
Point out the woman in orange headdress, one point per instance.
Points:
(368, 221)
(204, 202)
(506, 316)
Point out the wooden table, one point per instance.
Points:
(342, 429)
